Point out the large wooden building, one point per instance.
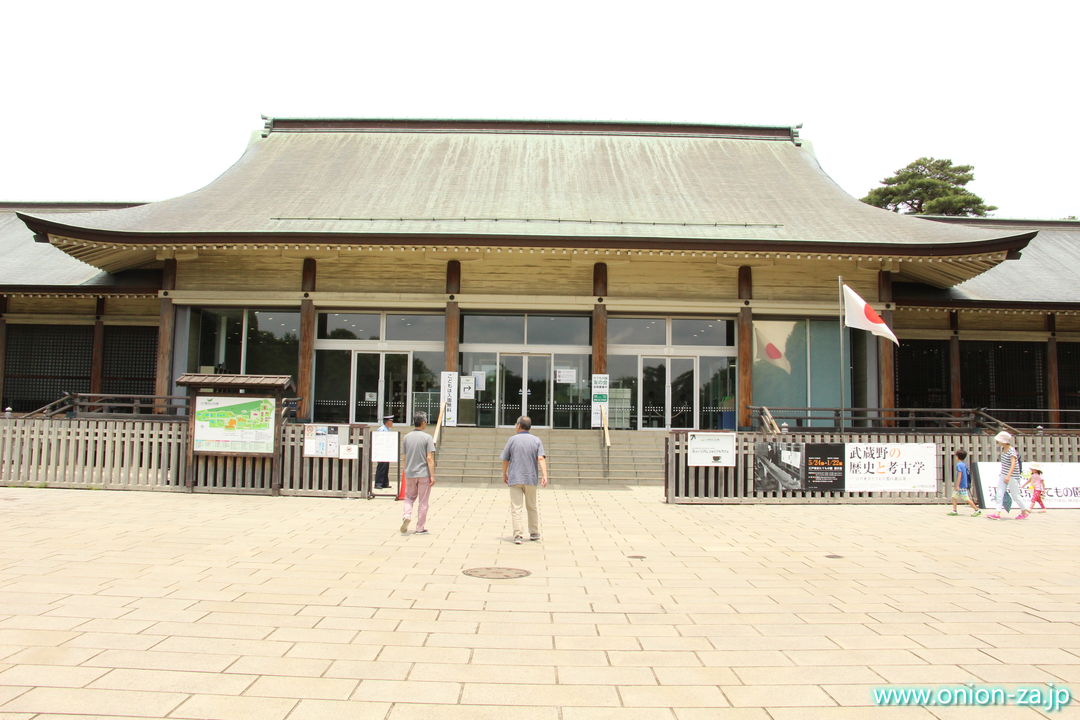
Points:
(697, 265)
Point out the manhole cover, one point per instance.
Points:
(636, 557)
(496, 573)
(834, 556)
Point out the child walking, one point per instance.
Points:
(1008, 477)
(962, 485)
(1037, 485)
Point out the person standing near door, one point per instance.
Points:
(521, 458)
(419, 460)
(382, 470)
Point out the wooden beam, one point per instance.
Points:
(745, 348)
(97, 349)
(166, 326)
(955, 381)
(599, 280)
(453, 336)
(306, 362)
(599, 339)
(453, 277)
(886, 349)
(1053, 374)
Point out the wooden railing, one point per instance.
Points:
(892, 420)
(151, 454)
(684, 484)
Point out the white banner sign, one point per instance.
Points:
(1061, 480)
(890, 467)
(468, 387)
(479, 380)
(384, 446)
(599, 398)
(565, 376)
(448, 397)
(710, 449)
(349, 452)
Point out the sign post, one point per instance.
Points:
(600, 385)
(448, 398)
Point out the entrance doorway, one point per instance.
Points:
(381, 386)
(668, 397)
(524, 388)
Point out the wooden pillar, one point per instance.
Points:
(3, 349)
(599, 319)
(453, 316)
(886, 349)
(745, 350)
(97, 349)
(956, 396)
(305, 373)
(166, 326)
(1053, 379)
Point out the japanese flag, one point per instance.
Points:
(772, 344)
(859, 314)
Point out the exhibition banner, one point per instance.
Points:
(1061, 479)
(236, 425)
(600, 385)
(448, 398)
(845, 467)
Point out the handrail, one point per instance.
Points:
(604, 424)
(897, 419)
(768, 421)
(438, 425)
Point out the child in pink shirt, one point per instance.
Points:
(1037, 485)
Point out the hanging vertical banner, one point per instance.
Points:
(448, 398)
(599, 398)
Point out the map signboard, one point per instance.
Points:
(236, 425)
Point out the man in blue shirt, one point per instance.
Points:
(382, 470)
(522, 457)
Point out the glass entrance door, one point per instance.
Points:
(524, 389)
(668, 392)
(380, 387)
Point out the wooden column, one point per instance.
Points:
(1053, 379)
(453, 315)
(599, 319)
(3, 348)
(166, 326)
(745, 358)
(956, 397)
(97, 349)
(886, 349)
(306, 366)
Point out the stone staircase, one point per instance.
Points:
(470, 456)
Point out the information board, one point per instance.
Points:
(710, 449)
(823, 466)
(234, 424)
(324, 441)
(384, 446)
(600, 383)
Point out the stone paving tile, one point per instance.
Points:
(50, 676)
(74, 701)
(324, 608)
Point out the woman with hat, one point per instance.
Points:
(1008, 477)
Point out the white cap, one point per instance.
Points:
(1004, 438)
(1034, 467)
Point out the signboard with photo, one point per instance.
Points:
(824, 466)
(845, 467)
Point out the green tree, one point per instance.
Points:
(929, 186)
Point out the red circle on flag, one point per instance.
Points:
(773, 353)
(872, 315)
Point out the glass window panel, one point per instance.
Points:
(537, 389)
(572, 396)
(395, 386)
(484, 365)
(683, 389)
(493, 329)
(332, 386)
(348, 326)
(512, 388)
(623, 392)
(922, 374)
(220, 339)
(45, 361)
(637, 331)
(558, 330)
(716, 395)
(702, 332)
(425, 372)
(1007, 376)
(825, 367)
(780, 366)
(415, 327)
(366, 408)
(273, 342)
(654, 392)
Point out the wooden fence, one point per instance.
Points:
(152, 455)
(684, 484)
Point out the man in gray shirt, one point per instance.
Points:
(522, 456)
(419, 463)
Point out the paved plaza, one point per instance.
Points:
(151, 605)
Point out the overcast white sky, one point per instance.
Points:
(144, 100)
